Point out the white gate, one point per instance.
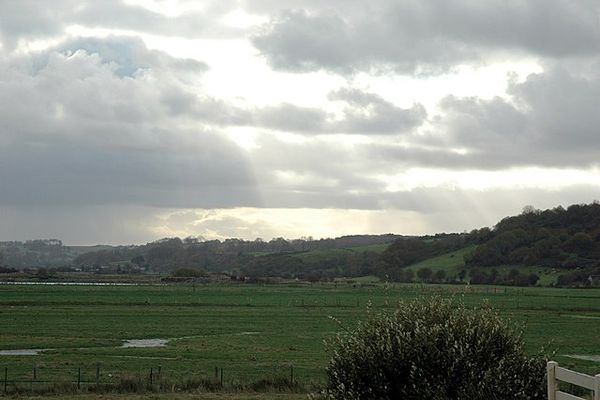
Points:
(556, 373)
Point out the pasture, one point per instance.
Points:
(252, 332)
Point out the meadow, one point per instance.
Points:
(254, 333)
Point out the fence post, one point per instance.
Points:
(159, 376)
(221, 377)
(551, 372)
(34, 372)
(292, 374)
(5, 378)
(97, 373)
(78, 378)
(597, 387)
(151, 373)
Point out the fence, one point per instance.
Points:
(96, 378)
(558, 374)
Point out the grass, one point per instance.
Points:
(255, 333)
(178, 396)
(452, 262)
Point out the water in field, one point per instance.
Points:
(21, 352)
(145, 343)
(585, 357)
(37, 283)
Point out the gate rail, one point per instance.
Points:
(558, 374)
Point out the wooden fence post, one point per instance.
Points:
(551, 372)
(597, 387)
(221, 377)
(292, 374)
(5, 378)
(78, 378)
(97, 373)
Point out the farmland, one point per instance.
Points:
(252, 332)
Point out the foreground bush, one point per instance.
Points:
(433, 349)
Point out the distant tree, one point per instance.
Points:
(440, 275)
(580, 242)
(189, 273)
(424, 274)
(529, 209)
(138, 260)
(43, 273)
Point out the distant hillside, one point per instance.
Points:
(563, 239)
(277, 257)
(558, 238)
(43, 253)
(518, 250)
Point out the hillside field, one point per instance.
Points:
(252, 332)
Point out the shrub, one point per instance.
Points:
(433, 349)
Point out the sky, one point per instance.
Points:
(126, 121)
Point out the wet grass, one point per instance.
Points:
(257, 334)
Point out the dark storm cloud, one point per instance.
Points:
(425, 36)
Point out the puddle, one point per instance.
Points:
(67, 283)
(584, 357)
(145, 343)
(146, 357)
(21, 352)
(582, 316)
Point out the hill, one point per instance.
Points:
(557, 246)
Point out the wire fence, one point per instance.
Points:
(153, 378)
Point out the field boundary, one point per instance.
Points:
(151, 379)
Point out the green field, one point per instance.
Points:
(451, 262)
(454, 262)
(252, 332)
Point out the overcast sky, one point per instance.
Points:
(124, 121)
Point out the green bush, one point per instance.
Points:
(433, 349)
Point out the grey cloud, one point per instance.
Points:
(289, 117)
(426, 36)
(365, 113)
(74, 131)
(368, 112)
(418, 211)
(552, 119)
(32, 19)
(37, 19)
(78, 225)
